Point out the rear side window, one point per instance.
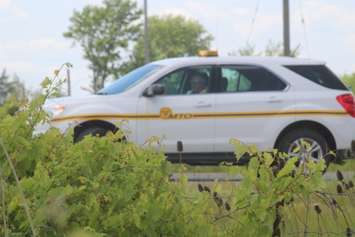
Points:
(319, 74)
(247, 79)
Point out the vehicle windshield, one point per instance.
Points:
(129, 80)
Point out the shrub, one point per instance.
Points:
(105, 187)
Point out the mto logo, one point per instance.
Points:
(167, 113)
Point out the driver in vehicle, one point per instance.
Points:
(199, 83)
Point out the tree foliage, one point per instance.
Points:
(170, 36)
(272, 49)
(11, 87)
(104, 32)
(349, 80)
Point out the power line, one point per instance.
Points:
(303, 22)
(253, 21)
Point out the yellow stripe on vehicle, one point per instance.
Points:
(166, 114)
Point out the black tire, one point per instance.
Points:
(93, 131)
(307, 133)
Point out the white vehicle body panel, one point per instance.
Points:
(196, 134)
(249, 125)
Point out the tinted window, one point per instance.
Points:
(130, 79)
(248, 78)
(190, 80)
(319, 74)
(173, 82)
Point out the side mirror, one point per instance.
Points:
(155, 89)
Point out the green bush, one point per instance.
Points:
(105, 187)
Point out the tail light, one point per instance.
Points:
(348, 103)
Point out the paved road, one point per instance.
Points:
(224, 177)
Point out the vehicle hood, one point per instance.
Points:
(73, 104)
(92, 104)
(70, 100)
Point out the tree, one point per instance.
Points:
(10, 86)
(272, 49)
(248, 50)
(5, 86)
(170, 36)
(105, 32)
(349, 80)
(19, 88)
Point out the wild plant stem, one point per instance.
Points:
(27, 209)
(3, 207)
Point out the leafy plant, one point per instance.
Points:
(271, 182)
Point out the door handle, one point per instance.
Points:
(274, 99)
(202, 104)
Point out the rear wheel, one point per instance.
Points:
(307, 144)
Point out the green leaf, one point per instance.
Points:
(289, 166)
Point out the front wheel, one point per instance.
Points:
(93, 131)
(307, 144)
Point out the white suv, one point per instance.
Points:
(272, 102)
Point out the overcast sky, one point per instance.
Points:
(32, 45)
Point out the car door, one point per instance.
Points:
(247, 98)
(178, 112)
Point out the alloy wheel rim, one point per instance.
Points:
(306, 149)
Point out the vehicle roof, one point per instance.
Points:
(238, 60)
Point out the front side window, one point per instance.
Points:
(247, 79)
(189, 80)
(129, 80)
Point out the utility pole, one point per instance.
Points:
(146, 34)
(286, 27)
